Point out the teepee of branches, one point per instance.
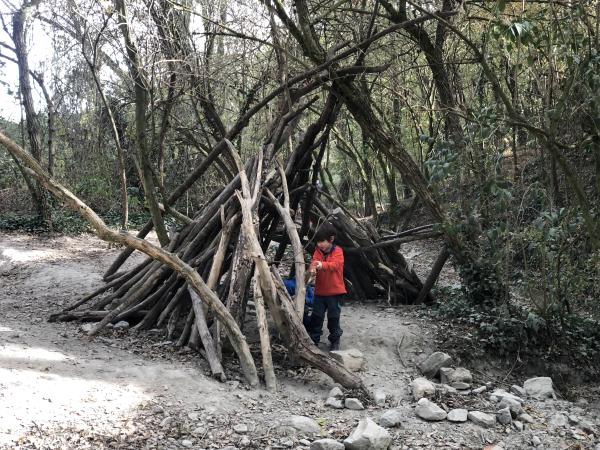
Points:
(198, 285)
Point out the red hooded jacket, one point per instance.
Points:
(330, 279)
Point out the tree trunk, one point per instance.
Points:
(19, 35)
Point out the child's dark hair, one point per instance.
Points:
(324, 232)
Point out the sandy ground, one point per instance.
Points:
(124, 389)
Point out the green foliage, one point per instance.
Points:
(518, 330)
(67, 222)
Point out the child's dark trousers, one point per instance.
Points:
(332, 305)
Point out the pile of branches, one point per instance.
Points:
(225, 244)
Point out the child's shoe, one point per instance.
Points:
(334, 346)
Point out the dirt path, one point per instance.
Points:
(129, 390)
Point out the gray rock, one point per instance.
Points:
(240, 428)
(187, 443)
(559, 420)
(573, 420)
(380, 397)
(518, 425)
(428, 410)
(434, 362)
(245, 441)
(460, 375)
(352, 359)
(354, 403)
(445, 389)
(336, 403)
(458, 415)
(539, 388)
(479, 390)
(326, 444)
(499, 394)
(445, 374)
(87, 327)
(514, 406)
(368, 436)
(526, 418)
(460, 385)
(588, 427)
(482, 419)
(503, 416)
(422, 387)
(391, 418)
(199, 431)
(193, 416)
(336, 392)
(167, 422)
(121, 325)
(536, 441)
(304, 442)
(518, 391)
(302, 424)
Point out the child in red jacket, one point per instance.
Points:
(328, 265)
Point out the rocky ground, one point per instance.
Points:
(126, 390)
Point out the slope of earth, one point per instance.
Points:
(127, 390)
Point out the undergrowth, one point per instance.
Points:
(513, 330)
(66, 222)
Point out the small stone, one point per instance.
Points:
(391, 418)
(199, 431)
(482, 419)
(245, 441)
(336, 403)
(460, 374)
(336, 392)
(445, 374)
(193, 416)
(433, 363)
(539, 388)
(526, 418)
(87, 327)
(368, 436)
(587, 427)
(167, 421)
(187, 443)
(573, 420)
(380, 397)
(304, 442)
(460, 385)
(121, 325)
(302, 424)
(326, 444)
(499, 394)
(514, 406)
(518, 425)
(518, 390)
(240, 428)
(479, 390)
(458, 415)
(504, 416)
(559, 420)
(536, 441)
(445, 389)
(354, 403)
(352, 359)
(422, 387)
(428, 410)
